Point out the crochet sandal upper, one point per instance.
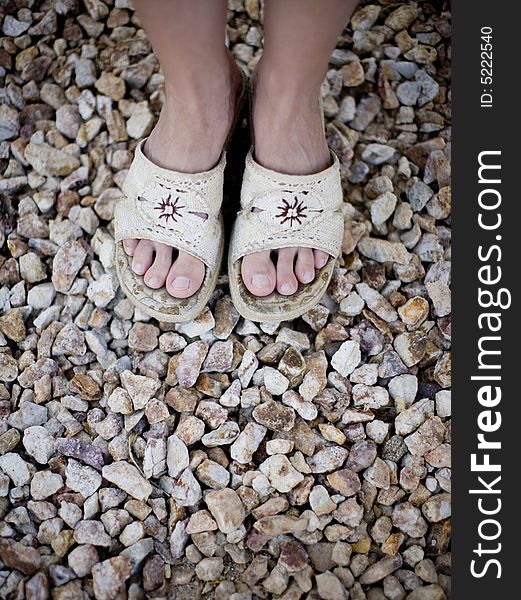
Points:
(281, 211)
(173, 208)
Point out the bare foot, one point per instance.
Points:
(289, 138)
(188, 137)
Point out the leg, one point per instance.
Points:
(289, 134)
(201, 82)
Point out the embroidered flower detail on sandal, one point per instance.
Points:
(292, 211)
(170, 209)
(172, 205)
(296, 210)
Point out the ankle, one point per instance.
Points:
(288, 125)
(197, 107)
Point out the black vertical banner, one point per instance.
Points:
(486, 168)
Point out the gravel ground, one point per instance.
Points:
(222, 458)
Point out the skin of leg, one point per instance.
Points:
(201, 82)
(299, 36)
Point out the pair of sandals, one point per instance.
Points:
(183, 210)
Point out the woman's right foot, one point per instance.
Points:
(188, 137)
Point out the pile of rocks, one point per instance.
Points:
(222, 458)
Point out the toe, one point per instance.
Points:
(305, 265)
(321, 258)
(129, 246)
(155, 277)
(185, 276)
(143, 257)
(258, 273)
(287, 283)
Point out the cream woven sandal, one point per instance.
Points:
(282, 211)
(181, 210)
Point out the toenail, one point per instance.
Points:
(181, 283)
(308, 276)
(287, 288)
(138, 267)
(260, 280)
(153, 281)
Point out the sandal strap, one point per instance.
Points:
(282, 211)
(178, 209)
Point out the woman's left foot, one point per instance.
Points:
(289, 138)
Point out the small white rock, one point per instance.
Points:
(346, 358)
(275, 382)
(443, 404)
(352, 305)
(370, 396)
(177, 457)
(281, 473)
